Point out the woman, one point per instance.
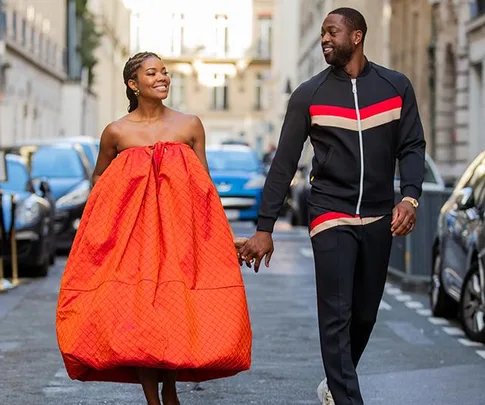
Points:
(152, 290)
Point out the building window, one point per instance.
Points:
(477, 8)
(220, 93)
(3, 21)
(32, 39)
(176, 97)
(24, 32)
(259, 92)
(41, 44)
(14, 25)
(177, 34)
(47, 50)
(221, 35)
(265, 34)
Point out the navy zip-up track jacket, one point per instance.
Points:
(358, 128)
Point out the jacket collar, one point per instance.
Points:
(340, 73)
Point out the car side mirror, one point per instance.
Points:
(44, 187)
(465, 199)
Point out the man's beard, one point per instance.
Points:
(340, 56)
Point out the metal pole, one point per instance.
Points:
(13, 244)
(2, 250)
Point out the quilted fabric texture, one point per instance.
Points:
(153, 279)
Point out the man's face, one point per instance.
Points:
(337, 41)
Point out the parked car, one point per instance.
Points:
(69, 174)
(300, 188)
(89, 145)
(457, 279)
(34, 219)
(239, 178)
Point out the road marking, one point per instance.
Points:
(307, 252)
(61, 384)
(453, 331)
(413, 305)
(403, 297)
(481, 353)
(393, 291)
(469, 343)
(408, 332)
(424, 312)
(8, 346)
(383, 305)
(438, 321)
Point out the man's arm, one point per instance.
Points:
(412, 147)
(294, 133)
(411, 154)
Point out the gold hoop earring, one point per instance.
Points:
(137, 92)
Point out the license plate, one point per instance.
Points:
(232, 214)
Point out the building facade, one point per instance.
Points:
(219, 57)
(473, 32)
(458, 87)
(410, 36)
(33, 69)
(114, 20)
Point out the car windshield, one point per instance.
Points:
(56, 162)
(17, 177)
(232, 160)
(88, 150)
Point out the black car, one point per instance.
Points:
(34, 219)
(69, 172)
(457, 279)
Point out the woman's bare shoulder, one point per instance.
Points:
(114, 130)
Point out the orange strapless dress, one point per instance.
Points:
(153, 279)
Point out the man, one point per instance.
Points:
(360, 118)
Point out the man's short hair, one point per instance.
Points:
(353, 19)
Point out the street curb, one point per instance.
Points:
(408, 283)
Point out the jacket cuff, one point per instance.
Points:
(265, 224)
(411, 191)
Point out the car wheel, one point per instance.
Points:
(472, 307)
(442, 304)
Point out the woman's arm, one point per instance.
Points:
(107, 151)
(198, 145)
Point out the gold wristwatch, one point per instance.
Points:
(412, 201)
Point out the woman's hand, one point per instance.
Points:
(238, 244)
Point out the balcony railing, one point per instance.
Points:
(32, 39)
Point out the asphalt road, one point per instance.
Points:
(412, 359)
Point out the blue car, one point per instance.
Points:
(68, 172)
(34, 218)
(239, 178)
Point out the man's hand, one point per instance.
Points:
(257, 247)
(403, 219)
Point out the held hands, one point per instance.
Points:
(255, 249)
(403, 219)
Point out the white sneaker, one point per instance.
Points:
(324, 394)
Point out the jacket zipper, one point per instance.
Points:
(361, 146)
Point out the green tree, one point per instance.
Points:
(89, 38)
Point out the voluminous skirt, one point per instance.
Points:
(153, 278)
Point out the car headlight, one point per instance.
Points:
(77, 196)
(28, 212)
(255, 182)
